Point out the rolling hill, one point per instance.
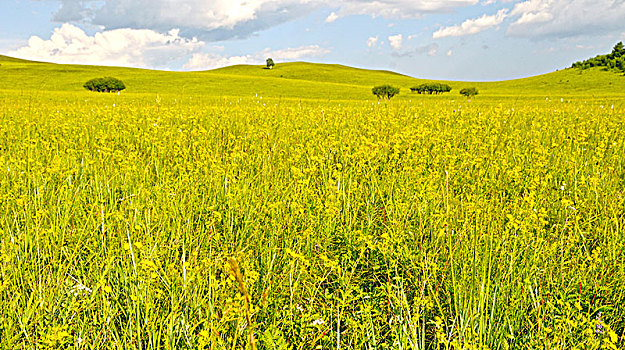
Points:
(292, 80)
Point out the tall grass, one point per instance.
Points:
(187, 222)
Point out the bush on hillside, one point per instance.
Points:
(385, 91)
(106, 84)
(431, 88)
(469, 92)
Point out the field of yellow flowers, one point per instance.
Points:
(144, 222)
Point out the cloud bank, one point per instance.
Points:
(566, 18)
(472, 26)
(213, 20)
(144, 48)
(118, 47)
(547, 19)
(207, 61)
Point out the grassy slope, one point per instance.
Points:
(292, 80)
(328, 73)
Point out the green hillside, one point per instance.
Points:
(292, 80)
(327, 73)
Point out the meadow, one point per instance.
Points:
(160, 218)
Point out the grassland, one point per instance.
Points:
(296, 81)
(239, 209)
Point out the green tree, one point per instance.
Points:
(270, 63)
(619, 49)
(385, 91)
(469, 92)
(106, 84)
(431, 88)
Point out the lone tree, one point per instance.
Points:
(270, 63)
(106, 84)
(469, 92)
(385, 91)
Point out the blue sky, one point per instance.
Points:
(444, 39)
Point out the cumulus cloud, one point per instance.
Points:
(472, 26)
(332, 17)
(429, 49)
(296, 53)
(226, 19)
(401, 9)
(372, 41)
(211, 60)
(396, 41)
(491, 2)
(119, 47)
(211, 20)
(566, 18)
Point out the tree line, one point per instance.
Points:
(431, 88)
(614, 60)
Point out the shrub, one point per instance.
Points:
(469, 92)
(106, 84)
(385, 91)
(431, 88)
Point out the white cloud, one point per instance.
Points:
(119, 47)
(401, 9)
(212, 60)
(372, 41)
(396, 41)
(534, 18)
(295, 53)
(450, 53)
(430, 50)
(472, 26)
(491, 2)
(332, 17)
(565, 18)
(225, 19)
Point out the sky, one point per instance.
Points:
(472, 40)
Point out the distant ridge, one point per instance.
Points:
(12, 59)
(300, 80)
(321, 72)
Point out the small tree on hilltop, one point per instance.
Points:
(270, 63)
(469, 92)
(106, 84)
(385, 91)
